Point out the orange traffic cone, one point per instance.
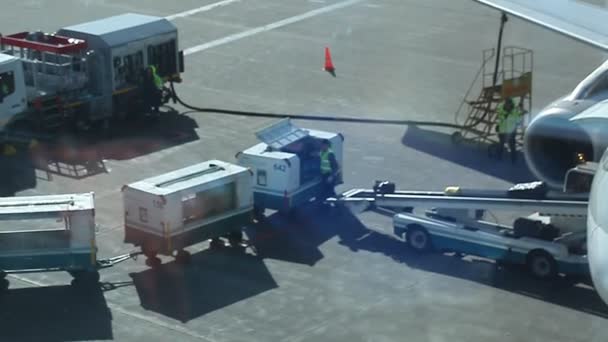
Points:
(329, 66)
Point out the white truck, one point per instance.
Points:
(286, 165)
(84, 75)
(454, 221)
(166, 213)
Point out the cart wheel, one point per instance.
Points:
(150, 253)
(493, 151)
(457, 138)
(418, 239)
(258, 213)
(183, 257)
(216, 243)
(541, 264)
(235, 238)
(153, 262)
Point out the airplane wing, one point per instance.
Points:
(585, 20)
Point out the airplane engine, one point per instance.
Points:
(597, 230)
(557, 140)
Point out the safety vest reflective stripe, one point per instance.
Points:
(507, 122)
(157, 80)
(325, 163)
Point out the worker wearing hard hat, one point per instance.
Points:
(329, 169)
(509, 118)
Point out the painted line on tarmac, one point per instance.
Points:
(268, 27)
(205, 8)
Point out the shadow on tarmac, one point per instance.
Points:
(81, 156)
(54, 313)
(214, 279)
(469, 155)
(574, 294)
(17, 173)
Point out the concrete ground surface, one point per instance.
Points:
(315, 278)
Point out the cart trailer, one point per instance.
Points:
(286, 165)
(48, 233)
(166, 213)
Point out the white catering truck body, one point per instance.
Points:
(186, 206)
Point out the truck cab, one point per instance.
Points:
(12, 89)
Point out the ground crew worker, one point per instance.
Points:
(158, 81)
(508, 119)
(152, 87)
(329, 169)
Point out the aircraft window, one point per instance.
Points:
(7, 83)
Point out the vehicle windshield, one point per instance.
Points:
(7, 84)
(300, 170)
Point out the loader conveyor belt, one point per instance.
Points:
(561, 204)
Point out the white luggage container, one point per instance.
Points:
(286, 165)
(166, 213)
(48, 233)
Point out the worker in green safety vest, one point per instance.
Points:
(509, 118)
(158, 81)
(329, 169)
(152, 89)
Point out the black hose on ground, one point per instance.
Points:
(318, 117)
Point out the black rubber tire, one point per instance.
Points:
(153, 262)
(235, 238)
(541, 264)
(457, 138)
(183, 257)
(149, 252)
(418, 239)
(216, 243)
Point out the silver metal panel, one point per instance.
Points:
(121, 29)
(188, 177)
(281, 134)
(584, 20)
(32, 205)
